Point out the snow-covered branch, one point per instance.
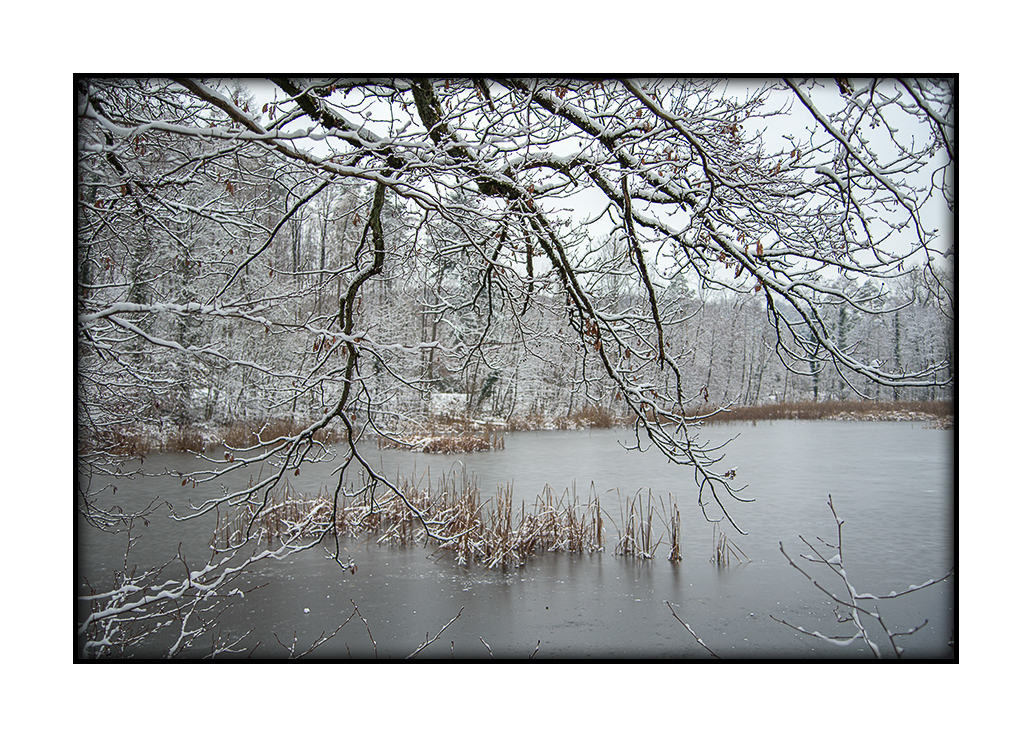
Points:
(853, 611)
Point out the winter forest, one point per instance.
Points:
(268, 267)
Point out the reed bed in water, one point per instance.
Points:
(674, 531)
(724, 549)
(452, 517)
(635, 529)
(915, 411)
(488, 439)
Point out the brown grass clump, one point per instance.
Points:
(243, 434)
(284, 515)
(589, 416)
(138, 442)
(485, 439)
(724, 549)
(193, 438)
(917, 411)
(592, 416)
(636, 532)
(453, 518)
(674, 531)
(123, 443)
(185, 438)
(636, 528)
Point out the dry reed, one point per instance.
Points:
(674, 531)
(242, 434)
(452, 517)
(486, 439)
(724, 549)
(463, 434)
(635, 533)
(918, 411)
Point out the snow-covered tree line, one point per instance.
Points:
(278, 308)
(725, 342)
(335, 250)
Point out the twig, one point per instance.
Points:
(431, 640)
(290, 649)
(691, 631)
(372, 639)
(855, 611)
(487, 647)
(323, 638)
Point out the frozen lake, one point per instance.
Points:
(891, 482)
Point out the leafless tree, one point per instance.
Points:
(459, 222)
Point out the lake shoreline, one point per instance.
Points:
(154, 438)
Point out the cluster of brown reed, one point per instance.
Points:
(185, 438)
(242, 434)
(284, 515)
(488, 438)
(837, 410)
(453, 518)
(724, 549)
(118, 442)
(636, 528)
(675, 533)
(144, 438)
(463, 434)
(489, 533)
(194, 438)
(589, 416)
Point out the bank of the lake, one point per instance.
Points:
(464, 432)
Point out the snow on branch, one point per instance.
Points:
(853, 613)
